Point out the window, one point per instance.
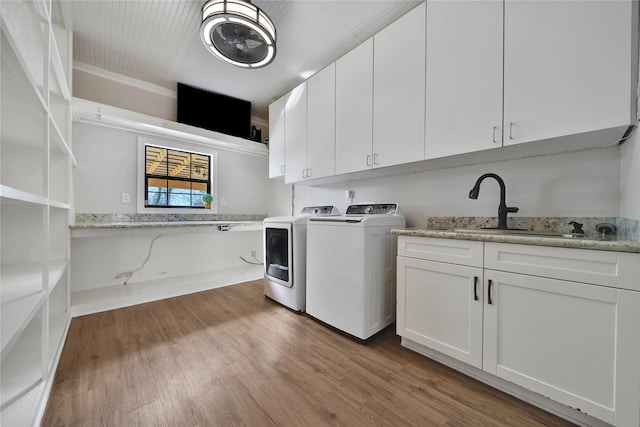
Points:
(175, 179)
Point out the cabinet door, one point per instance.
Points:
(464, 77)
(321, 123)
(567, 67)
(354, 109)
(398, 90)
(295, 134)
(553, 337)
(440, 306)
(276, 138)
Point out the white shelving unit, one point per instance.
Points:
(36, 159)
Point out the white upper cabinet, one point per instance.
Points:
(456, 77)
(568, 67)
(295, 134)
(354, 109)
(463, 77)
(276, 138)
(321, 123)
(398, 90)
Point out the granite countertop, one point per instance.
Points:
(137, 221)
(590, 241)
(627, 238)
(159, 224)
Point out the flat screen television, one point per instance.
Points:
(214, 111)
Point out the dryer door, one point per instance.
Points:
(277, 253)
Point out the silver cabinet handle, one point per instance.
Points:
(495, 128)
(375, 158)
(368, 159)
(309, 173)
(304, 171)
(511, 130)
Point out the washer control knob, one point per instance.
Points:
(368, 209)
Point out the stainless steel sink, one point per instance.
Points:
(518, 232)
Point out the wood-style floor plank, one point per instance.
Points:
(231, 357)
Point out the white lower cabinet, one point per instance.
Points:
(576, 342)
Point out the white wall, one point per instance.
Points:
(107, 166)
(581, 184)
(630, 177)
(280, 198)
(88, 85)
(102, 261)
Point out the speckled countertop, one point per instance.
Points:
(441, 228)
(133, 221)
(159, 224)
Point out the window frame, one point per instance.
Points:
(179, 146)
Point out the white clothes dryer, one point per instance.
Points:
(285, 256)
(351, 276)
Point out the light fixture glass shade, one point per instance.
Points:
(238, 32)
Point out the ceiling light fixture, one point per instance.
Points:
(238, 32)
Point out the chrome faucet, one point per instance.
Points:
(502, 209)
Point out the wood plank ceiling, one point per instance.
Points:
(157, 41)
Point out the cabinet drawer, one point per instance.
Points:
(614, 269)
(463, 252)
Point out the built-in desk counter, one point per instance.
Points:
(93, 225)
(125, 259)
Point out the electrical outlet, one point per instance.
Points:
(253, 254)
(126, 198)
(223, 202)
(349, 195)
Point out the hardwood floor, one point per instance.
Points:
(231, 357)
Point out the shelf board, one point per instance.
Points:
(58, 327)
(21, 295)
(9, 194)
(59, 72)
(14, 194)
(61, 141)
(22, 368)
(8, 29)
(23, 411)
(57, 269)
(117, 296)
(59, 205)
(94, 113)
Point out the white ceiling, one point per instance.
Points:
(157, 41)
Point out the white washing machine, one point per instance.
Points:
(351, 272)
(285, 244)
